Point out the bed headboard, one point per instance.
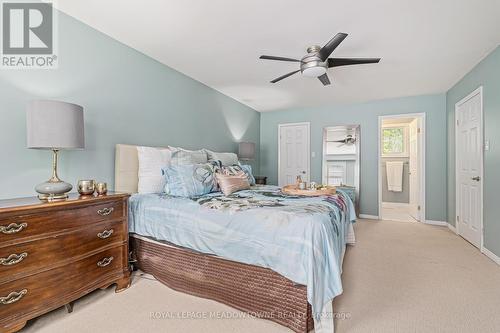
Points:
(126, 168)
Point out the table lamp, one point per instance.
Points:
(246, 151)
(55, 126)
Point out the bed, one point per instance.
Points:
(277, 257)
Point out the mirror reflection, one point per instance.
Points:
(341, 159)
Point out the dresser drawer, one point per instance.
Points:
(24, 258)
(41, 292)
(21, 226)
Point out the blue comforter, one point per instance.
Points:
(301, 238)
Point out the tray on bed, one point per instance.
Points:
(294, 190)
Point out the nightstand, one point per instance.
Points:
(260, 180)
(53, 253)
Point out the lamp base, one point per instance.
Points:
(52, 197)
(53, 190)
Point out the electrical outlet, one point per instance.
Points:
(486, 145)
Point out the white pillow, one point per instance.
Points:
(226, 159)
(151, 161)
(181, 156)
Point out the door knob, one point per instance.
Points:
(477, 178)
(304, 172)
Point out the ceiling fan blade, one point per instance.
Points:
(278, 58)
(336, 62)
(284, 76)
(326, 50)
(324, 79)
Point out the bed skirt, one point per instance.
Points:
(259, 291)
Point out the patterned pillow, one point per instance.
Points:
(247, 169)
(182, 156)
(190, 180)
(231, 183)
(233, 169)
(225, 158)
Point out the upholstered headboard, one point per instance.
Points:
(126, 168)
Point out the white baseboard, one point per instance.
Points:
(452, 228)
(439, 223)
(491, 255)
(370, 217)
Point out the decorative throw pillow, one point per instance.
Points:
(233, 169)
(151, 161)
(225, 158)
(231, 183)
(182, 156)
(190, 180)
(247, 169)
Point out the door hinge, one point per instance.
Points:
(458, 218)
(418, 130)
(458, 122)
(418, 207)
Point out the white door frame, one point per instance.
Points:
(308, 147)
(481, 162)
(421, 162)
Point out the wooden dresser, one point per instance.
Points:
(53, 253)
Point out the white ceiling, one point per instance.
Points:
(426, 46)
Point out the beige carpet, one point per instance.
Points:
(400, 277)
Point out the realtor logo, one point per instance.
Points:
(28, 35)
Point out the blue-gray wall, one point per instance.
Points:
(128, 98)
(486, 74)
(366, 115)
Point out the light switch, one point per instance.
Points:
(486, 145)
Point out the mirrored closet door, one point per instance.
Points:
(341, 159)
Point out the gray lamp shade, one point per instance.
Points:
(246, 151)
(55, 125)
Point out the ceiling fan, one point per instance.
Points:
(349, 140)
(316, 62)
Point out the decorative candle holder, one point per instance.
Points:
(102, 188)
(86, 187)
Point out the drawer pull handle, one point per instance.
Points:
(12, 228)
(105, 234)
(105, 262)
(13, 297)
(13, 259)
(105, 211)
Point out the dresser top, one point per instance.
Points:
(74, 198)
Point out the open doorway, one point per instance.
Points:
(402, 168)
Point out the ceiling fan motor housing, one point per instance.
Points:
(311, 65)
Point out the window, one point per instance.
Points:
(394, 141)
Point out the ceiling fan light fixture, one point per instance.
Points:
(316, 62)
(314, 71)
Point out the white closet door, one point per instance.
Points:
(293, 153)
(469, 157)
